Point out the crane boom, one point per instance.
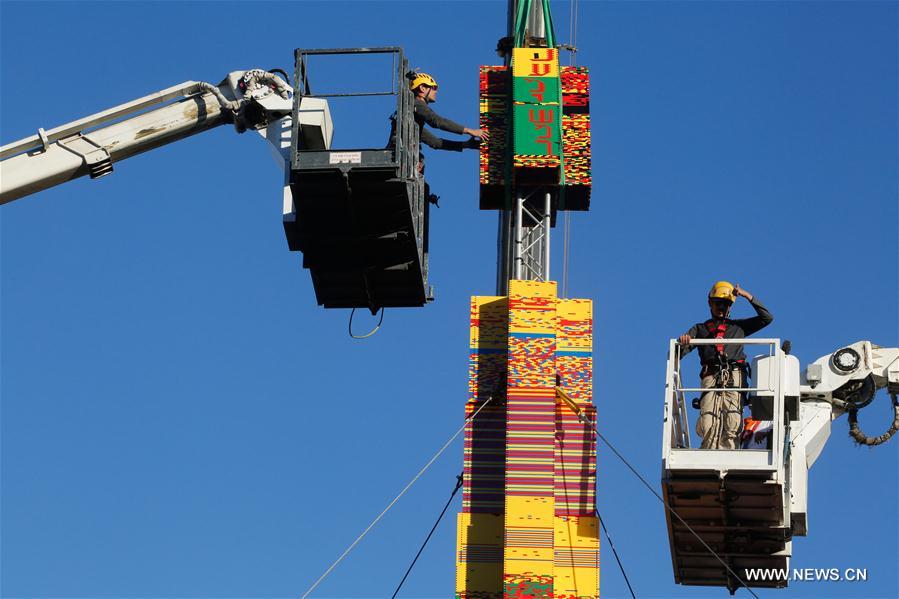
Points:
(90, 146)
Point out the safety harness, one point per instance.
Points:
(718, 331)
(723, 365)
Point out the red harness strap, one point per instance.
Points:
(719, 333)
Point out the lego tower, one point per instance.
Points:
(528, 526)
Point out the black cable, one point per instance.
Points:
(617, 559)
(676, 515)
(281, 72)
(397, 498)
(428, 538)
(368, 334)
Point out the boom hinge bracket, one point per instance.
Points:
(42, 136)
(95, 156)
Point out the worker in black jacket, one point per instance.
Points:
(424, 89)
(721, 412)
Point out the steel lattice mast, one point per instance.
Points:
(523, 238)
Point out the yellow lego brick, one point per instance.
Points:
(576, 556)
(489, 322)
(521, 560)
(479, 554)
(533, 288)
(575, 326)
(480, 529)
(535, 62)
(481, 300)
(582, 583)
(576, 531)
(532, 307)
(530, 512)
(528, 536)
(574, 346)
(576, 309)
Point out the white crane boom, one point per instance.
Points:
(90, 146)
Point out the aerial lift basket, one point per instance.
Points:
(359, 215)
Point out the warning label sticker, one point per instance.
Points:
(345, 158)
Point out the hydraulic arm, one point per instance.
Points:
(359, 216)
(90, 146)
(844, 382)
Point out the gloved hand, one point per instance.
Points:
(473, 142)
(434, 199)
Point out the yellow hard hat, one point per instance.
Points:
(722, 290)
(422, 79)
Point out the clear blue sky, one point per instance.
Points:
(179, 419)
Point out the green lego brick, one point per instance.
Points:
(536, 130)
(536, 90)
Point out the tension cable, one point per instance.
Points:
(428, 538)
(395, 499)
(612, 545)
(675, 514)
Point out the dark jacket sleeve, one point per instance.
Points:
(438, 143)
(424, 113)
(758, 322)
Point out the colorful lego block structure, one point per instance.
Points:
(537, 137)
(528, 526)
(538, 117)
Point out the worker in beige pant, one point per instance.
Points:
(723, 364)
(720, 412)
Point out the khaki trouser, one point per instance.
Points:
(720, 412)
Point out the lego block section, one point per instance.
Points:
(576, 535)
(576, 149)
(535, 62)
(485, 435)
(537, 131)
(528, 552)
(537, 90)
(528, 527)
(576, 557)
(530, 436)
(575, 449)
(479, 556)
(538, 116)
(494, 98)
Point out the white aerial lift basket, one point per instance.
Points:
(737, 501)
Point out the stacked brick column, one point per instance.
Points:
(527, 528)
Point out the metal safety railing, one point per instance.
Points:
(677, 427)
(302, 84)
(405, 153)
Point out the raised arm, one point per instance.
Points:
(444, 124)
(758, 322)
(438, 143)
(435, 120)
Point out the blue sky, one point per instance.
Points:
(179, 419)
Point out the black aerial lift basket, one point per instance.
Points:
(361, 216)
